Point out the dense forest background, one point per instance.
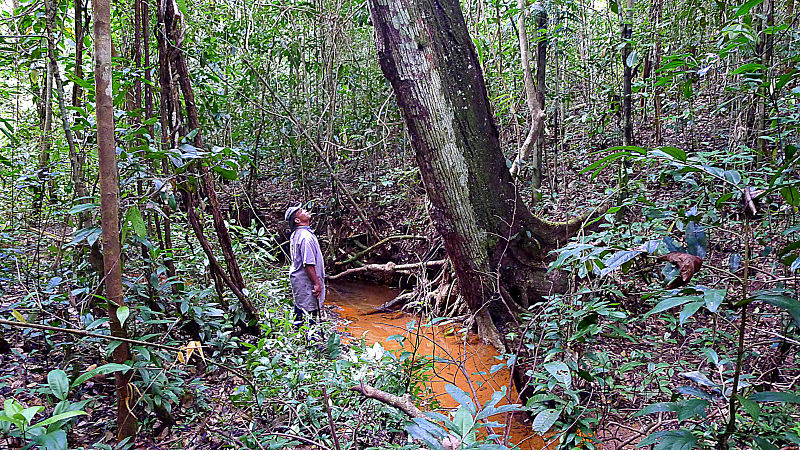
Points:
(660, 138)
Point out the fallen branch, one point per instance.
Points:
(383, 241)
(403, 403)
(388, 268)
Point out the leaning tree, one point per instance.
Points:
(494, 242)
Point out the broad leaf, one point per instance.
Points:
(123, 312)
(655, 408)
(671, 303)
(750, 406)
(102, 370)
(781, 301)
(771, 396)
(59, 383)
(670, 440)
(696, 241)
(618, 259)
(560, 372)
(791, 195)
(461, 397)
(545, 420)
(57, 417)
(134, 217)
(693, 407)
(689, 310)
(714, 298)
(54, 440)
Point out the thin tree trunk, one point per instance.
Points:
(627, 102)
(46, 117)
(77, 158)
(170, 43)
(542, 42)
(535, 107)
(657, 92)
(766, 60)
(109, 210)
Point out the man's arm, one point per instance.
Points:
(311, 271)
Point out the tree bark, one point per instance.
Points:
(426, 53)
(109, 210)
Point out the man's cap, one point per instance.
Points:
(290, 212)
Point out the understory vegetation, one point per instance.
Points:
(668, 317)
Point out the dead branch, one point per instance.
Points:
(388, 268)
(371, 247)
(402, 403)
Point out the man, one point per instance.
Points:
(307, 272)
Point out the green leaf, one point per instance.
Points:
(632, 59)
(461, 397)
(463, 421)
(689, 310)
(102, 370)
(545, 420)
(560, 371)
(670, 440)
(57, 417)
(674, 152)
(714, 298)
(781, 301)
(54, 440)
(733, 176)
(618, 259)
(750, 406)
(746, 7)
(656, 408)
(791, 195)
(59, 383)
(671, 303)
(134, 216)
(693, 407)
(421, 434)
(696, 240)
(82, 207)
(764, 444)
(772, 396)
(28, 413)
(122, 314)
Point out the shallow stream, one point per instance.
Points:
(356, 303)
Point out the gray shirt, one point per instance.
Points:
(305, 250)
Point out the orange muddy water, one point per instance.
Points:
(356, 303)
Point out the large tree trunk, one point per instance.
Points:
(491, 237)
(109, 211)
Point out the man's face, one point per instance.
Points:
(302, 216)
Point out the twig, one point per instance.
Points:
(330, 418)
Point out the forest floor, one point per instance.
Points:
(394, 200)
